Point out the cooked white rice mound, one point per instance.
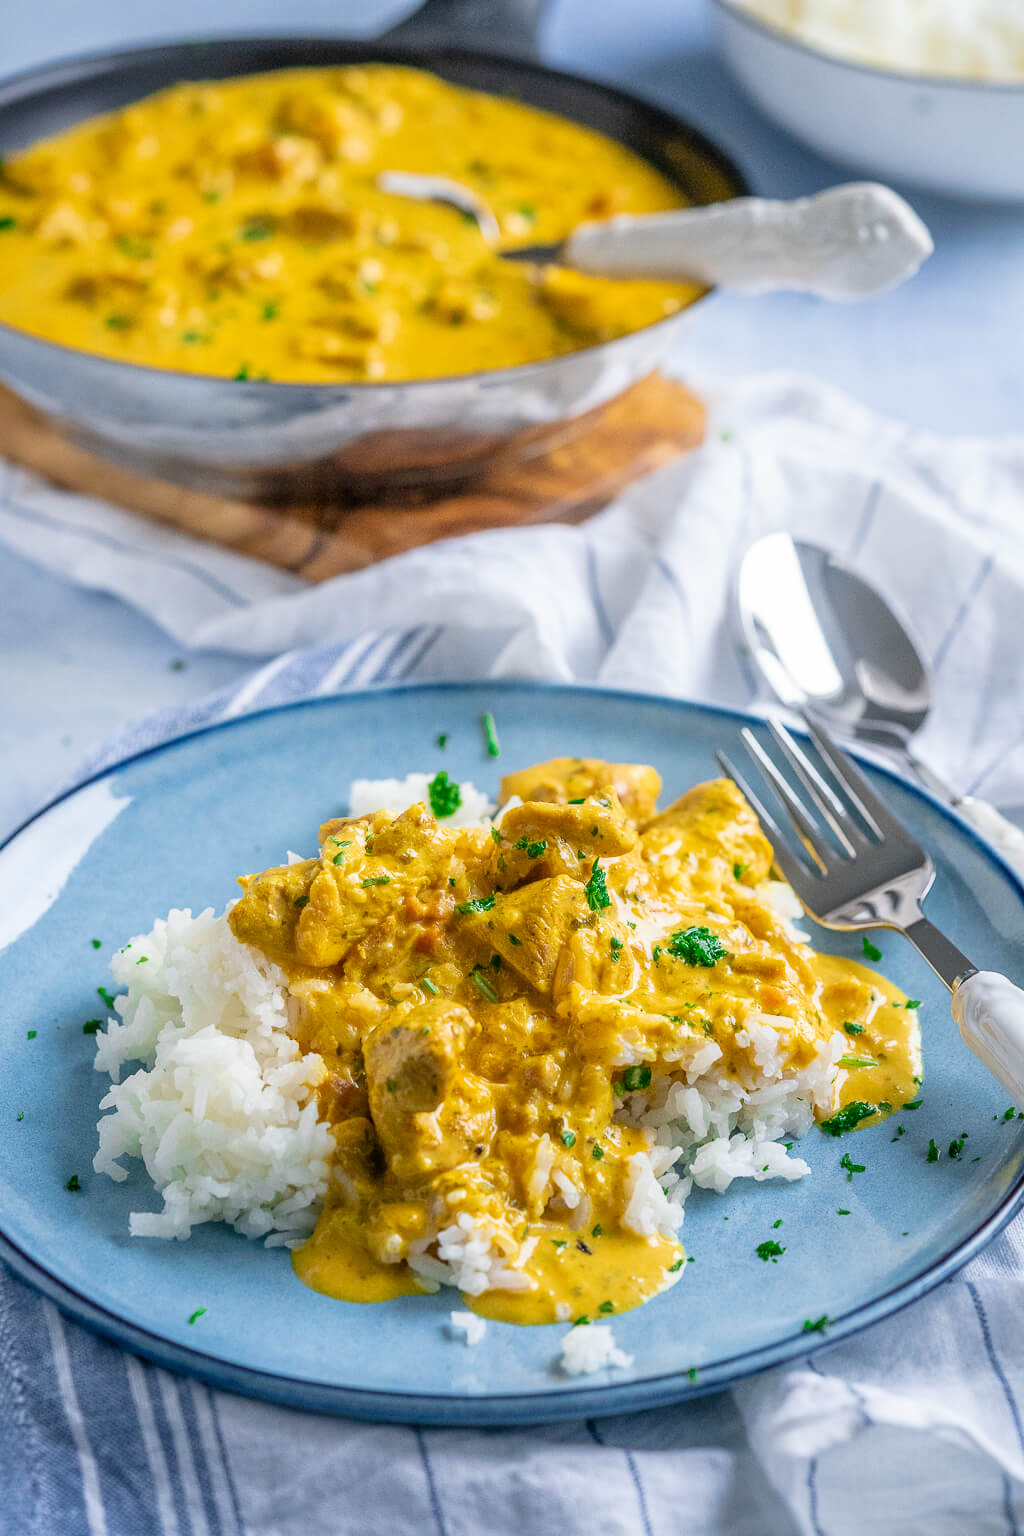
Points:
(396, 795)
(222, 1110)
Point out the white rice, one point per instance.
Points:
(591, 1348)
(471, 1327)
(396, 795)
(979, 39)
(222, 1109)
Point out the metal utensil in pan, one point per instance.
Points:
(262, 440)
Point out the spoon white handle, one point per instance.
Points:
(847, 243)
(997, 829)
(1002, 833)
(989, 1011)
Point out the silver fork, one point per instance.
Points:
(856, 867)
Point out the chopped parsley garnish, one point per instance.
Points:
(655, 952)
(270, 310)
(914, 1104)
(445, 795)
(817, 1326)
(91, 1026)
(137, 249)
(607, 1306)
(692, 1373)
(373, 880)
(596, 1230)
(118, 322)
(901, 1130)
(559, 1242)
(932, 1155)
(676, 1266)
(339, 857)
(481, 904)
(259, 228)
(581, 800)
(490, 735)
(851, 1168)
(842, 1212)
(30, 1034)
(516, 943)
(854, 1062)
(21, 1115)
(853, 1029)
(483, 986)
(196, 1315)
(303, 901)
(1008, 1114)
(596, 889)
(532, 850)
(568, 1138)
(96, 943)
(739, 870)
(597, 1154)
(8, 221)
(956, 1146)
(847, 1118)
(871, 951)
(769, 1250)
(615, 945)
(73, 1183)
(697, 946)
(430, 986)
(776, 1224)
(243, 372)
(636, 1078)
(912, 1002)
(105, 996)
(390, 1083)
(496, 836)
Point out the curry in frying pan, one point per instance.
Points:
(236, 228)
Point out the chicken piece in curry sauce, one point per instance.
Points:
(497, 1008)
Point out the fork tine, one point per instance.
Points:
(856, 787)
(807, 828)
(795, 869)
(828, 803)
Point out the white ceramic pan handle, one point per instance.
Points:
(847, 243)
(989, 1011)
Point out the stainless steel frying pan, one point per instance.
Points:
(262, 440)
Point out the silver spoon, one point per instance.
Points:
(846, 243)
(825, 640)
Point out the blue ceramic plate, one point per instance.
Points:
(174, 826)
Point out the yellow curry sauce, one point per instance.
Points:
(235, 228)
(491, 1005)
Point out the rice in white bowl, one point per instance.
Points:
(222, 1109)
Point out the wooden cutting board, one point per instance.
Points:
(571, 477)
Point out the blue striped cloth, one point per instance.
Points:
(915, 1427)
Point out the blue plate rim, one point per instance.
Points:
(509, 1408)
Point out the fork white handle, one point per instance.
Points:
(989, 1011)
(847, 243)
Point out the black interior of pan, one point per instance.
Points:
(43, 101)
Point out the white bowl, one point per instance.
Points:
(963, 137)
